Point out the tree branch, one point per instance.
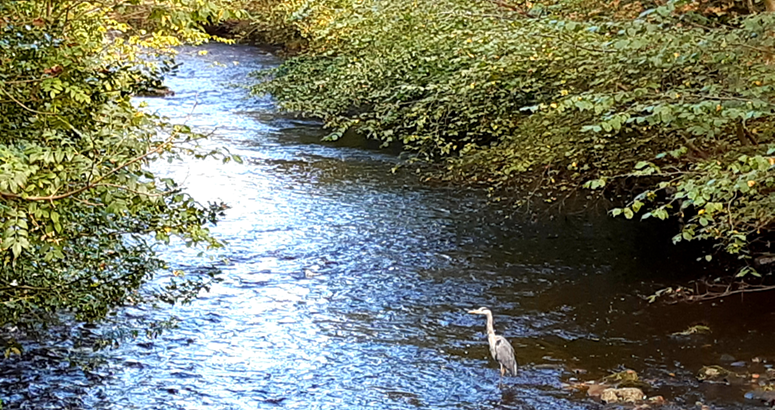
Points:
(741, 288)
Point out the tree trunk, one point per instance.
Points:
(769, 5)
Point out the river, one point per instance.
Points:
(346, 287)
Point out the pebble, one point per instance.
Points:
(623, 395)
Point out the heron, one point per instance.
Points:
(500, 348)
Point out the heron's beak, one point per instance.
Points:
(475, 312)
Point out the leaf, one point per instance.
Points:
(642, 164)
(16, 249)
(595, 183)
(747, 270)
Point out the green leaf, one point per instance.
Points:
(16, 248)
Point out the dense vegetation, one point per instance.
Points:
(80, 210)
(664, 106)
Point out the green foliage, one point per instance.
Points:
(729, 202)
(556, 96)
(80, 211)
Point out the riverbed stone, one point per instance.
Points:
(657, 400)
(623, 395)
(712, 373)
(765, 396)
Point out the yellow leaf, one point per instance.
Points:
(751, 183)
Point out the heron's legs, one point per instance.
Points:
(503, 371)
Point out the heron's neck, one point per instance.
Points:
(490, 328)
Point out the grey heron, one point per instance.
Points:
(500, 348)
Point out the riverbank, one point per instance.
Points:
(555, 100)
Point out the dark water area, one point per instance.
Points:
(347, 287)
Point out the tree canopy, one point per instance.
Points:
(664, 106)
(80, 209)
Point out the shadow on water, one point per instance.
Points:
(348, 286)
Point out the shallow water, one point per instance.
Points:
(347, 287)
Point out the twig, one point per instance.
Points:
(24, 106)
(150, 194)
(83, 201)
(23, 81)
(727, 292)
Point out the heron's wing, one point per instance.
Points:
(504, 354)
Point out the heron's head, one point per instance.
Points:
(480, 311)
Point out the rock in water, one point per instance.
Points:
(623, 395)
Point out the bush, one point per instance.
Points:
(79, 208)
(672, 105)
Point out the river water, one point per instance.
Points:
(347, 287)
